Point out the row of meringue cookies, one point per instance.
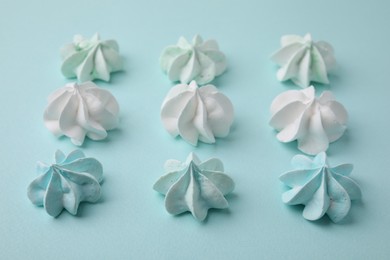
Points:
(195, 111)
(298, 115)
(192, 185)
(78, 110)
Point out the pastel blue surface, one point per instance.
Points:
(130, 221)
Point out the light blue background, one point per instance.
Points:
(130, 221)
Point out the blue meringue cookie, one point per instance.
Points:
(321, 188)
(64, 184)
(89, 59)
(194, 186)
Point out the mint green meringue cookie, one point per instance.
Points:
(321, 188)
(89, 59)
(194, 186)
(200, 60)
(302, 60)
(64, 184)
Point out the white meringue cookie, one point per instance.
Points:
(303, 60)
(79, 110)
(197, 113)
(200, 60)
(315, 123)
(89, 59)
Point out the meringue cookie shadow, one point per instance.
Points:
(114, 137)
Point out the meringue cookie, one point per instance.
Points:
(194, 186)
(64, 184)
(315, 123)
(79, 110)
(197, 113)
(89, 59)
(322, 189)
(199, 61)
(303, 60)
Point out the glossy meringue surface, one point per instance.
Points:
(321, 188)
(80, 110)
(72, 179)
(89, 59)
(313, 122)
(199, 60)
(197, 113)
(194, 186)
(302, 60)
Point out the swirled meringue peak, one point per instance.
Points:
(197, 113)
(303, 60)
(79, 110)
(313, 122)
(89, 59)
(63, 185)
(194, 186)
(321, 188)
(200, 60)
